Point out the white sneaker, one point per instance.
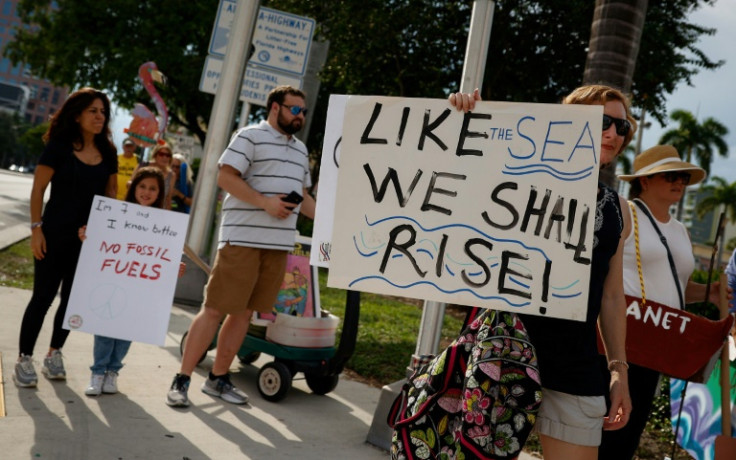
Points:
(95, 385)
(110, 382)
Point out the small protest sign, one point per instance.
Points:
(493, 208)
(127, 271)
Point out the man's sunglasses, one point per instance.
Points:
(676, 176)
(622, 126)
(295, 109)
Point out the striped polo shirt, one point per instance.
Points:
(271, 163)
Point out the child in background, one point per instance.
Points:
(146, 189)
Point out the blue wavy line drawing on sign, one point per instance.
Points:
(560, 294)
(446, 291)
(546, 169)
(465, 226)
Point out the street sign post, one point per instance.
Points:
(280, 46)
(281, 40)
(221, 30)
(257, 82)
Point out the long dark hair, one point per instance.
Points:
(64, 126)
(144, 173)
(635, 189)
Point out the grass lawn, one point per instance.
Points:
(16, 266)
(387, 332)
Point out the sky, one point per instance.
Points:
(120, 120)
(713, 93)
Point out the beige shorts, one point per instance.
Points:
(574, 419)
(245, 278)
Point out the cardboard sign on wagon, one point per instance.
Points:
(127, 271)
(494, 208)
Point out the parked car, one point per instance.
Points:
(22, 169)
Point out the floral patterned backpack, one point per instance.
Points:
(477, 400)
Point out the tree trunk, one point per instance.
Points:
(615, 35)
(680, 204)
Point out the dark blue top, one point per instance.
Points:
(73, 187)
(568, 350)
(177, 204)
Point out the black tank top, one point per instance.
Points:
(567, 350)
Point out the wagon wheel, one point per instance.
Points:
(274, 381)
(321, 384)
(182, 344)
(249, 357)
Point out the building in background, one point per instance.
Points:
(43, 97)
(14, 98)
(701, 230)
(185, 143)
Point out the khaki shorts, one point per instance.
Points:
(574, 419)
(245, 278)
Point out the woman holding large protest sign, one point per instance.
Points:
(658, 262)
(79, 161)
(573, 411)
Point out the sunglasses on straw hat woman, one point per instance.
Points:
(658, 182)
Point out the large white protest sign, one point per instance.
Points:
(324, 215)
(127, 271)
(493, 208)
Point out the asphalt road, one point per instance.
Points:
(15, 196)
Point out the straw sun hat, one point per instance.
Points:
(662, 158)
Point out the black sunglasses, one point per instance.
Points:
(295, 109)
(622, 125)
(676, 176)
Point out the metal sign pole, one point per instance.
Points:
(221, 123)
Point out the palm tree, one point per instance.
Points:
(719, 194)
(626, 159)
(615, 35)
(695, 139)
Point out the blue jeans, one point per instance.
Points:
(109, 354)
(732, 285)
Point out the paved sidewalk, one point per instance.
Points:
(57, 421)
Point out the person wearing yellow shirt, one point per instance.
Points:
(127, 162)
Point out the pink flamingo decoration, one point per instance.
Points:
(145, 130)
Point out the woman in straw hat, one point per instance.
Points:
(573, 412)
(658, 182)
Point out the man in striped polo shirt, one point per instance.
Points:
(262, 165)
